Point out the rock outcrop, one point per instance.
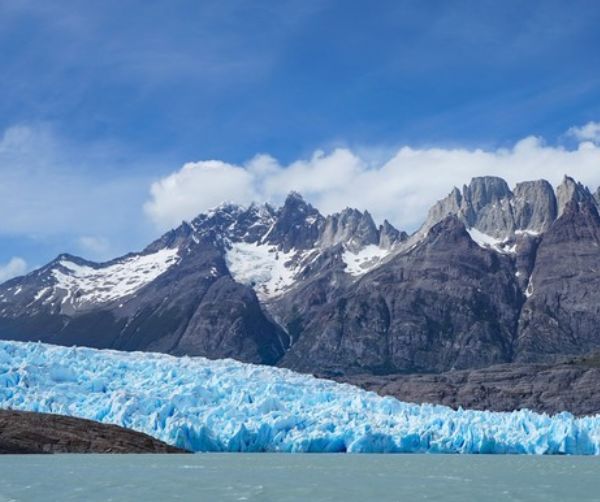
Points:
(572, 385)
(28, 432)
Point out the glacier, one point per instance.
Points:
(225, 405)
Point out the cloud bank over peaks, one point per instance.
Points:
(16, 266)
(401, 188)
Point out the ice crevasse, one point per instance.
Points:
(225, 405)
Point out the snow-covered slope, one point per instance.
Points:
(267, 269)
(82, 284)
(489, 242)
(69, 284)
(229, 406)
(363, 261)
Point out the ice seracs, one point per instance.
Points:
(224, 405)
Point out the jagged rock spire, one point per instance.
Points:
(534, 205)
(571, 191)
(488, 205)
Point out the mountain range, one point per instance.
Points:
(497, 282)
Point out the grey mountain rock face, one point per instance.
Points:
(451, 205)
(494, 276)
(562, 311)
(534, 206)
(389, 236)
(431, 309)
(570, 190)
(297, 226)
(572, 385)
(488, 205)
(352, 227)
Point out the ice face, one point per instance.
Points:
(225, 405)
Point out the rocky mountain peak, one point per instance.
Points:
(70, 257)
(485, 190)
(351, 227)
(297, 224)
(483, 204)
(173, 238)
(450, 205)
(571, 191)
(450, 229)
(452, 224)
(488, 205)
(295, 202)
(390, 235)
(534, 206)
(219, 216)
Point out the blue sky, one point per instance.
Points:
(102, 99)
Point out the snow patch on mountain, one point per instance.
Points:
(531, 233)
(488, 242)
(267, 269)
(360, 262)
(86, 284)
(224, 405)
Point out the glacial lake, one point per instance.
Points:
(299, 477)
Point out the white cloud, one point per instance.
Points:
(53, 189)
(195, 187)
(98, 246)
(15, 266)
(401, 189)
(588, 132)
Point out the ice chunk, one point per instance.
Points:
(225, 405)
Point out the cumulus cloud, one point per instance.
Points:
(16, 266)
(97, 246)
(401, 188)
(588, 132)
(197, 186)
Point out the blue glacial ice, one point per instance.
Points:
(225, 405)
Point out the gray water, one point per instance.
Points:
(282, 477)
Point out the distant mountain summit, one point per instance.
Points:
(494, 275)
